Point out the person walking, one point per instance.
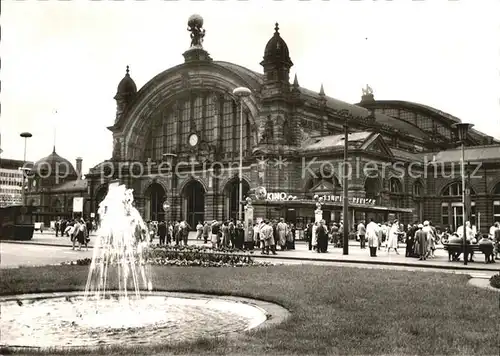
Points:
(281, 231)
(206, 232)
(322, 237)
(267, 234)
(392, 241)
(421, 240)
(199, 230)
(216, 233)
(362, 234)
(308, 233)
(162, 232)
(371, 234)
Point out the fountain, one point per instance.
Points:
(119, 305)
(120, 245)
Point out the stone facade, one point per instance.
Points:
(187, 118)
(52, 185)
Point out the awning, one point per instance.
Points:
(312, 204)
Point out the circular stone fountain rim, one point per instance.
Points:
(275, 313)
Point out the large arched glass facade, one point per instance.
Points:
(214, 117)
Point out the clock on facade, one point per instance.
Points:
(193, 140)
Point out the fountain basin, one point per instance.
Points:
(66, 320)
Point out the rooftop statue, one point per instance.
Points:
(195, 24)
(368, 90)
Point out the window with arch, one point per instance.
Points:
(454, 190)
(395, 188)
(213, 116)
(418, 189)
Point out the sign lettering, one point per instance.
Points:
(353, 200)
(280, 196)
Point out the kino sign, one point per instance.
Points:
(280, 196)
(353, 200)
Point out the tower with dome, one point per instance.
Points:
(52, 185)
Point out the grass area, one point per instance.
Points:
(343, 311)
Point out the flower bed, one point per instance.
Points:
(192, 256)
(495, 281)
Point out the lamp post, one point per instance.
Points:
(24, 135)
(172, 156)
(462, 129)
(345, 186)
(241, 92)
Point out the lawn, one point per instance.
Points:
(342, 311)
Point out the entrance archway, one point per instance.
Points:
(153, 198)
(232, 197)
(194, 203)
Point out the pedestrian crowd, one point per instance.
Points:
(268, 235)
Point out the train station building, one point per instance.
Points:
(176, 142)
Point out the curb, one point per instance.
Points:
(35, 243)
(371, 262)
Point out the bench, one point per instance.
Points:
(454, 251)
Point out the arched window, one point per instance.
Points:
(418, 189)
(210, 115)
(454, 190)
(395, 188)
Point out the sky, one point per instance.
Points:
(62, 61)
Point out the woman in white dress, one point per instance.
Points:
(392, 241)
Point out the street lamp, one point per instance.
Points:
(462, 129)
(345, 189)
(241, 92)
(24, 135)
(172, 156)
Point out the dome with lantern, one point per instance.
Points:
(127, 85)
(276, 49)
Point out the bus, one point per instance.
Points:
(17, 222)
